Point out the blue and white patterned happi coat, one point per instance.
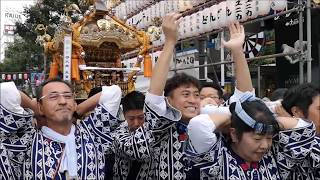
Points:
(289, 150)
(156, 145)
(310, 168)
(26, 154)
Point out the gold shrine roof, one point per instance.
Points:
(96, 32)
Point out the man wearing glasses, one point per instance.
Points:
(62, 149)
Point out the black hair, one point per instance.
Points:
(94, 91)
(278, 94)
(132, 101)
(178, 80)
(258, 111)
(40, 87)
(214, 86)
(301, 96)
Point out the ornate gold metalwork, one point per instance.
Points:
(97, 37)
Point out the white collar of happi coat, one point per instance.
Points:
(69, 156)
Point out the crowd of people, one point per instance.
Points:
(180, 129)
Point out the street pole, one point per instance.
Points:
(309, 58)
(301, 62)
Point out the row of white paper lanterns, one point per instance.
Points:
(158, 9)
(220, 15)
(237, 8)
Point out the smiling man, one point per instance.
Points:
(62, 149)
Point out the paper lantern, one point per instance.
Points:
(153, 12)
(157, 10)
(263, 7)
(185, 29)
(20, 76)
(162, 8)
(240, 10)
(147, 63)
(195, 2)
(192, 25)
(137, 20)
(175, 5)
(231, 11)
(3, 76)
(184, 5)
(147, 17)
(198, 23)
(201, 25)
(251, 9)
(206, 19)
(222, 14)
(129, 7)
(278, 5)
(134, 6)
(213, 17)
(14, 76)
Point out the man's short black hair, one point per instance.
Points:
(180, 79)
(40, 87)
(94, 91)
(300, 96)
(132, 101)
(214, 86)
(278, 94)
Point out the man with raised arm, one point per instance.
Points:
(167, 117)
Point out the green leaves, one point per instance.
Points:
(25, 53)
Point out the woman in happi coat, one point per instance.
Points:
(258, 145)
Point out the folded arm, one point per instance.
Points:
(201, 130)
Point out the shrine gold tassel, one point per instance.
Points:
(75, 74)
(147, 62)
(53, 70)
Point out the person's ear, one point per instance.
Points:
(297, 112)
(233, 135)
(170, 99)
(75, 105)
(40, 108)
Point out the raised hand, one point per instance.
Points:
(170, 26)
(236, 37)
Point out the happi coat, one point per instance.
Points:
(289, 150)
(25, 153)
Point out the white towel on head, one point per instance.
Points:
(69, 156)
